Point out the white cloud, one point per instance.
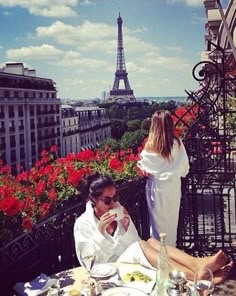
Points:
(54, 56)
(174, 48)
(91, 36)
(187, 2)
(88, 2)
(52, 8)
(153, 59)
(68, 34)
(44, 51)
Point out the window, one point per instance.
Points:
(20, 111)
(22, 153)
(11, 111)
(32, 137)
(20, 123)
(12, 141)
(7, 93)
(33, 151)
(31, 110)
(22, 139)
(1, 112)
(38, 109)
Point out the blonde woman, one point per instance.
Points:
(165, 159)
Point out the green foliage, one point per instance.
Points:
(115, 112)
(134, 125)
(113, 144)
(146, 123)
(133, 139)
(118, 128)
(134, 112)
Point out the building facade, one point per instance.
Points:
(94, 126)
(216, 31)
(70, 130)
(30, 116)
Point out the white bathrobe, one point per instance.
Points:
(163, 189)
(123, 246)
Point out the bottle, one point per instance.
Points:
(163, 268)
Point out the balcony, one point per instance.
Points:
(49, 247)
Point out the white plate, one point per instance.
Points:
(103, 271)
(123, 291)
(141, 285)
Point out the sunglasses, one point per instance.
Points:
(107, 200)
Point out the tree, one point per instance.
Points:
(134, 125)
(146, 123)
(132, 139)
(113, 145)
(118, 128)
(115, 112)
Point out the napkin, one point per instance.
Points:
(35, 287)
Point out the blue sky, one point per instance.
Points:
(74, 42)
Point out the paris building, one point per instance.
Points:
(30, 116)
(84, 128)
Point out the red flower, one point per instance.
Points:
(53, 148)
(115, 164)
(5, 170)
(10, 205)
(29, 205)
(43, 153)
(86, 155)
(22, 177)
(39, 188)
(52, 194)
(74, 176)
(44, 209)
(27, 223)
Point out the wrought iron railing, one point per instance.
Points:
(208, 213)
(49, 247)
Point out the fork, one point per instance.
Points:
(119, 278)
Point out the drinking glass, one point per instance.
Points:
(88, 257)
(203, 282)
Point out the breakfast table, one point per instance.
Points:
(109, 280)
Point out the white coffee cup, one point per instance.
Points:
(118, 211)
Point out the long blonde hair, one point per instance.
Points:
(161, 134)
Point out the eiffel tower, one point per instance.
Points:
(125, 94)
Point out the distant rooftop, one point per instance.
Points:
(87, 108)
(19, 69)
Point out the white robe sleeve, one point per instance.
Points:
(108, 248)
(185, 161)
(84, 233)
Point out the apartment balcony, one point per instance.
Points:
(49, 247)
(46, 124)
(49, 136)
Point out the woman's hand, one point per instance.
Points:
(105, 220)
(125, 220)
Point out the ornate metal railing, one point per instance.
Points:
(208, 212)
(49, 247)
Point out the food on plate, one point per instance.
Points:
(136, 276)
(74, 292)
